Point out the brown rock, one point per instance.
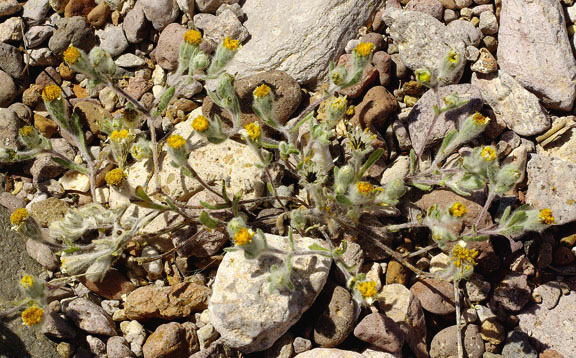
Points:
(337, 319)
(380, 331)
(97, 16)
(511, 294)
(65, 72)
(79, 8)
(435, 296)
(368, 76)
(166, 52)
(492, 331)
(45, 125)
(92, 113)
(170, 302)
(167, 341)
(47, 77)
(374, 109)
(112, 287)
(486, 63)
(563, 256)
(32, 95)
(375, 39)
(382, 63)
(396, 273)
(137, 86)
(550, 353)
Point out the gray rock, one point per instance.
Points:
(381, 332)
(216, 28)
(89, 317)
(41, 57)
(244, 312)
(57, 327)
(329, 353)
(235, 8)
(42, 254)
(374, 352)
(45, 168)
(511, 294)
(168, 47)
(548, 294)
(129, 60)
(550, 185)
(8, 91)
(528, 30)
(518, 346)
(160, 12)
(301, 345)
(9, 124)
(11, 201)
(422, 114)
(430, 7)
(317, 38)
(444, 343)
(512, 104)
(135, 25)
(210, 6)
(337, 320)
(11, 61)
(36, 35)
(112, 40)
(424, 41)
(71, 31)
(486, 62)
(36, 10)
(11, 29)
(466, 32)
(117, 347)
(9, 7)
(96, 345)
(488, 23)
(563, 148)
(282, 348)
(435, 296)
(477, 288)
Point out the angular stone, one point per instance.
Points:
(135, 24)
(381, 332)
(444, 343)
(244, 311)
(301, 46)
(168, 47)
(160, 12)
(528, 30)
(89, 317)
(217, 28)
(511, 294)
(435, 296)
(512, 104)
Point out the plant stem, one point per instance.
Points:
(491, 196)
(458, 318)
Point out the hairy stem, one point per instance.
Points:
(458, 318)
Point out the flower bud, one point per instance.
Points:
(102, 61)
(297, 220)
(336, 110)
(178, 149)
(224, 53)
(338, 75)
(395, 190)
(30, 137)
(344, 178)
(199, 63)
(424, 76)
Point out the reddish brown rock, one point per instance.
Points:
(374, 109)
(112, 286)
(368, 76)
(79, 8)
(97, 16)
(435, 296)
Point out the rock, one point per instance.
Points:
(486, 63)
(171, 340)
(548, 294)
(449, 16)
(44, 168)
(232, 307)
(160, 12)
(375, 108)
(368, 76)
(11, 201)
(41, 57)
(57, 327)
(444, 343)
(466, 32)
(11, 61)
(113, 286)
(297, 34)
(71, 31)
(512, 104)
(206, 335)
(518, 346)
(423, 41)
(477, 288)
(117, 347)
(129, 60)
(422, 115)
(96, 345)
(563, 256)
(135, 335)
(9, 125)
(137, 86)
(75, 181)
(337, 320)
(488, 23)
(170, 302)
(381, 332)
(36, 35)
(382, 63)
(396, 273)
(166, 53)
(36, 11)
(42, 254)
(112, 40)
(92, 113)
(217, 28)
(11, 29)
(89, 317)
(9, 7)
(430, 7)
(399, 304)
(97, 16)
(435, 296)
(492, 331)
(45, 125)
(511, 294)
(550, 184)
(301, 345)
(550, 353)
(135, 25)
(47, 211)
(400, 168)
(210, 6)
(282, 348)
(8, 91)
(329, 353)
(79, 8)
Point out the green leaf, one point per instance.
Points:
(214, 207)
(141, 194)
(449, 138)
(317, 247)
(164, 101)
(69, 165)
(302, 121)
(343, 200)
(208, 220)
(413, 161)
(424, 187)
(225, 193)
(505, 214)
(371, 160)
(236, 201)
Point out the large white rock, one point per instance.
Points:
(243, 310)
(299, 37)
(534, 48)
(329, 353)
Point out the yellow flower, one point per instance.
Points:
(230, 44)
(339, 103)
(546, 217)
(461, 254)
(243, 237)
(200, 123)
(453, 57)
(423, 76)
(26, 131)
(458, 209)
(364, 187)
(193, 37)
(119, 135)
(176, 141)
(253, 129)
(18, 216)
(27, 281)
(261, 91)
(32, 315)
(364, 49)
(51, 92)
(488, 153)
(367, 288)
(71, 55)
(350, 111)
(115, 177)
(479, 119)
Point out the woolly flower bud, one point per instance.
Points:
(102, 61)
(424, 76)
(344, 178)
(458, 209)
(546, 217)
(253, 130)
(176, 141)
(364, 187)
(141, 149)
(201, 61)
(243, 237)
(338, 75)
(120, 135)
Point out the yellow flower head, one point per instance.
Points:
(253, 129)
(339, 103)
(115, 177)
(461, 254)
(261, 91)
(26, 131)
(71, 55)
(364, 187)
(488, 153)
(51, 93)
(176, 141)
(423, 75)
(200, 123)
(19, 216)
(479, 119)
(546, 217)
(364, 49)
(119, 135)
(193, 37)
(243, 237)
(351, 109)
(453, 57)
(32, 315)
(458, 209)
(27, 281)
(367, 288)
(230, 44)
